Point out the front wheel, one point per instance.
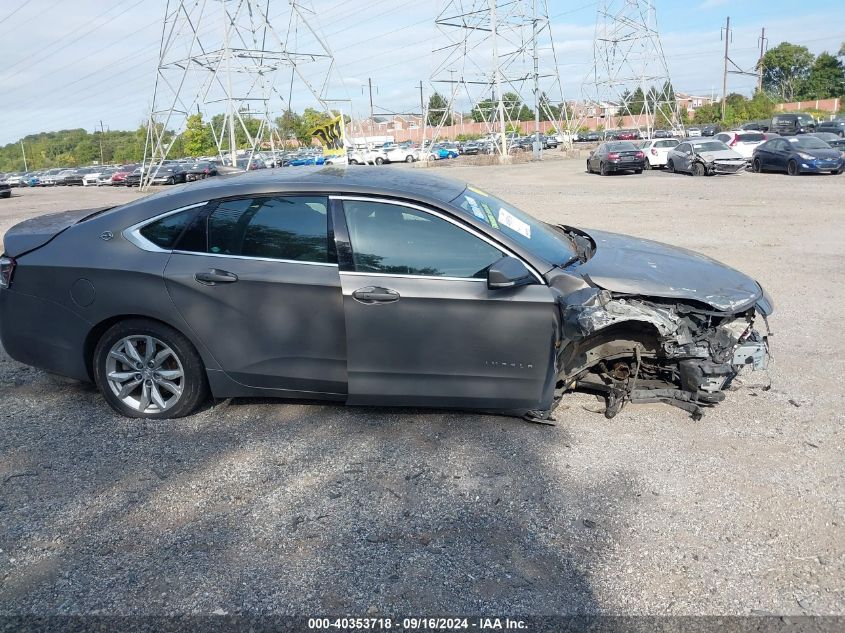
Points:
(146, 369)
(699, 170)
(409, 159)
(756, 166)
(379, 160)
(792, 168)
(647, 165)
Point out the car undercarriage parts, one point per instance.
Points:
(630, 349)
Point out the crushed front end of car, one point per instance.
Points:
(639, 349)
(716, 165)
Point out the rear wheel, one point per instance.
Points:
(409, 158)
(647, 165)
(146, 369)
(670, 167)
(379, 160)
(756, 166)
(603, 169)
(792, 168)
(589, 169)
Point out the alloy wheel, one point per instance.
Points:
(792, 168)
(145, 374)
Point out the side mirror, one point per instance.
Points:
(508, 272)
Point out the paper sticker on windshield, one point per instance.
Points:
(794, 139)
(476, 210)
(489, 213)
(512, 222)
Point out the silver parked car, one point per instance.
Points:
(368, 286)
(704, 157)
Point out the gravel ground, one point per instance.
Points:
(262, 506)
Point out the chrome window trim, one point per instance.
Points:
(363, 274)
(257, 259)
(133, 233)
(449, 219)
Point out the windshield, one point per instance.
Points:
(536, 237)
(810, 142)
(709, 146)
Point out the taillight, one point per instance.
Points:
(733, 142)
(613, 156)
(7, 269)
(640, 155)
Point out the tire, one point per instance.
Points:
(181, 368)
(699, 170)
(638, 171)
(792, 168)
(409, 158)
(603, 169)
(756, 166)
(670, 167)
(647, 165)
(353, 162)
(589, 169)
(379, 160)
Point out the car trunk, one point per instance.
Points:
(36, 232)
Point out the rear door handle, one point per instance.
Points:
(372, 294)
(214, 276)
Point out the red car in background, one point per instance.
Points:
(120, 175)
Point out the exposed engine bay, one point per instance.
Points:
(639, 350)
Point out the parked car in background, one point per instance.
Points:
(91, 178)
(625, 135)
(656, 151)
(471, 148)
(133, 179)
(837, 126)
(105, 176)
(693, 132)
(365, 156)
(441, 151)
(14, 179)
(711, 130)
(704, 157)
(120, 174)
(168, 175)
(550, 142)
(409, 154)
(792, 123)
(761, 125)
(201, 170)
(834, 140)
(593, 136)
(797, 155)
(661, 134)
(48, 179)
(616, 156)
(5, 189)
(742, 142)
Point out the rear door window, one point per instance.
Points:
(293, 228)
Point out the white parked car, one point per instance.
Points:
(397, 154)
(366, 157)
(656, 150)
(741, 141)
(91, 179)
(693, 132)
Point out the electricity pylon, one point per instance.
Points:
(225, 57)
(628, 60)
(499, 56)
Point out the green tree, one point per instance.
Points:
(197, 139)
(826, 79)
(841, 50)
(636, 104)
(438, 110)
(785, 69)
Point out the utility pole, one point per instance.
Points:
(422, 104)
(372, 120)
(102, 132)
(725, 74)
(25, 168)
(763, 42)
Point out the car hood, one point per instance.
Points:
(631, 265)
(819, 153)
(722, 154)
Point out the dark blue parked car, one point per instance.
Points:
(797, 155)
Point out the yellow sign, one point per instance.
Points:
(331, 137)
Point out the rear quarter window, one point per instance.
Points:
(164, 232)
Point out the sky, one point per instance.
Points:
(76, 64)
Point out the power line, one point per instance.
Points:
(26, 2)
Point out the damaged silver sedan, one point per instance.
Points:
(704, 157)
(368, 287)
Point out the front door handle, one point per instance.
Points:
(371, 294)
(214, 276)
